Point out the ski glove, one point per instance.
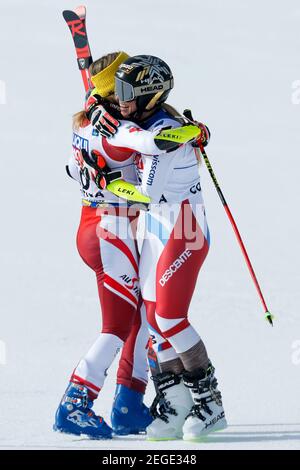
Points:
(104, 175)
(100, 118)
(204, 137)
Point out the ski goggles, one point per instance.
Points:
(126, 92)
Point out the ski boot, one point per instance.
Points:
(207, 414)
(129, 414)
(75, 416)
(169, 408)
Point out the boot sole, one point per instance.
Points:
(202, 437)
(133, 432)
(164, 438)
(96, 438)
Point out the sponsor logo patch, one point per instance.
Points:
(151, 176)
(195, 188)
(162, 199)
(126, 68)
(131, 283)
(80, 143)
(173, 268)
(81, 63)
(215, 420)
(151, 88)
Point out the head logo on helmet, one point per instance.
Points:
(147, 79)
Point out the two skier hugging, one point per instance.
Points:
(128, 133)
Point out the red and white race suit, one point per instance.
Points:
(176, 235)
(106, 242)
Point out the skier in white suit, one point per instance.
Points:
(176, 242)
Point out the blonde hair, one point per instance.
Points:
(80, 119)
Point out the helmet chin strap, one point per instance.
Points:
(154, 106)
(153, 102)
(138, 116)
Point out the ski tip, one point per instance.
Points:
(67, 14)
(80, 11)
(269, 317)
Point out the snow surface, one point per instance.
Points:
(235, 64)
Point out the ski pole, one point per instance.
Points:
(268, 315)
(187, 114)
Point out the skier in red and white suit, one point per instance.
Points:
(106, 242)
(175, 245)
(176, 237)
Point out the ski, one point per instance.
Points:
(76, 23)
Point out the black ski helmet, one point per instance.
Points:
(145, 78)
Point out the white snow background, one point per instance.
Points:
(236, 64)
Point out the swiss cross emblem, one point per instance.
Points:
(135, 129)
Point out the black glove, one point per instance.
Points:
(204, 137)
(99, 113)
(104, 175)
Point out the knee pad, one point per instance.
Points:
(178, 331)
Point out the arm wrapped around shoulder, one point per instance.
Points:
(103, 115)
(169, 139)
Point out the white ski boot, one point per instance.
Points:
(169, 408)
(207, 415)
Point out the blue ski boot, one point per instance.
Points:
(75, 416)
(129, 414)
